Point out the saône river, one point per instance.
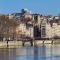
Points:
(43, 52)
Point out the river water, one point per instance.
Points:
(43, 52)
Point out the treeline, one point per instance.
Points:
(7, 26)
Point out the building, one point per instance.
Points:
(36, 25)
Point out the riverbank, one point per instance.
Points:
(11, 44)
(16, 44)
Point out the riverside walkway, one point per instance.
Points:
(4, 44)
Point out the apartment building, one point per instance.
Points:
(36, 25)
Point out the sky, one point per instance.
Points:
(45, 7)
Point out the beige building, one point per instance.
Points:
(43, 22)
(48, 31)
(53, 31)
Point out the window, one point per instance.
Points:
(43, 32)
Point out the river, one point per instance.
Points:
(43, 52)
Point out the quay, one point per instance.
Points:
(30, 42)
(42, 40)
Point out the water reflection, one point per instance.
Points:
(40, 52)
(36, 53)
(43, 52)
(7, 54)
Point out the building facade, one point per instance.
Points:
(36, 25)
